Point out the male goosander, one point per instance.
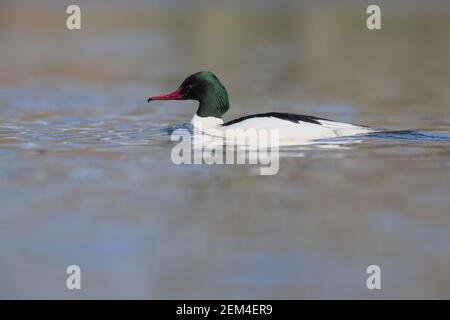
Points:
(212, 96)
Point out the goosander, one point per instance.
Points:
(212, 96)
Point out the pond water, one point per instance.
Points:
(86, 176)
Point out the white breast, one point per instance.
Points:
(204, 123)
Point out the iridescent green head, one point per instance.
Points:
(205, 88)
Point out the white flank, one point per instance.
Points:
(290, 133)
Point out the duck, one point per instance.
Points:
(292, 129)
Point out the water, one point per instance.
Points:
(86, 176)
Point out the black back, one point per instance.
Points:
(292, 117)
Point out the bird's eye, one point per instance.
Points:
(189, 87)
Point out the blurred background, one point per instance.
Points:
(86, 176)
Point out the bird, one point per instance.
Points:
(292, 129)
